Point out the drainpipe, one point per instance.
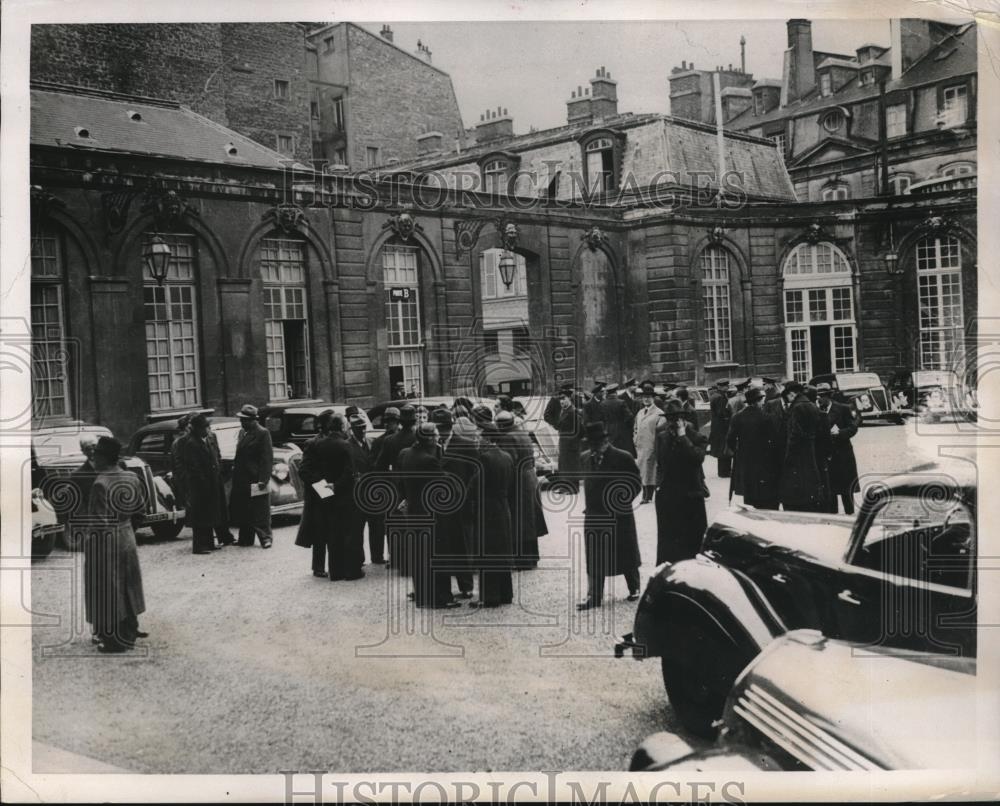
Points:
(719, 139)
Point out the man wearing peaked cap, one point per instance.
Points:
(363, 456)
(592, 408)
(249, 501)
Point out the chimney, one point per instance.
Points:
(735, 100)
(801, 67)
(603, 95)
(494, 125)
(423, 51)
(578, 107)
(429, 142)
(386, 33)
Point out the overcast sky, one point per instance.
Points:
(531, 67)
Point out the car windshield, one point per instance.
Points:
(66, 443)
(227, 434)
(935, 378)
(858, 380)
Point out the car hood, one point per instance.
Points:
(823, 536)
(836, 705)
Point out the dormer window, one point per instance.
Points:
(867, 78)
(836, 191)
(82, 132)
(833, 121)
(599, 164)
(495, 176)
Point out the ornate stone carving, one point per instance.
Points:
(43, 203)
(507, 234)
(936, 224)
(167, 207)
(595, 238)
(403, 225)
(815, 233)
(716, 235)
(467, 235)
(286, 217)
(116, 204)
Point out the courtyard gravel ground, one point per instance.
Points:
(255, 666)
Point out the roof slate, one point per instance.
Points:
(167, 129)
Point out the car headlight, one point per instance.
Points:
(865, 401)
(280, 471)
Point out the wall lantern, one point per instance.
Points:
(508, 265)
(157, 259)
(892, 263)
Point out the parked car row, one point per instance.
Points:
(767, 630)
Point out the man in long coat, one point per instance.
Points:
(198, 471)
(802, 485)
(497, 494)
(681, 491)
(363, 454)
(842, 425)
(617, 418)
(647, 420)
(390, 421)
(528, 516)
(592, 408)
(721, 414)
(113, 594)
(388, 460)
(776, 410)
(249, 500)
(459, 459)
(420, 466)
(570, 427)
(612, 546)
(751, 441)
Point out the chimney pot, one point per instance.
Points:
(572, 94)
(607, 74)
(587, 91)
(579, 90)
(505, 111)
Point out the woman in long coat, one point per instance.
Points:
(113, 595)
(647, 420)
(497, 495)
(570, 427)
(680, 498)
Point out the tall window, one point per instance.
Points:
(401, 275)
(495, 176)
(939, 291)
(49, 388)
(338, 114)
(371, 156)
(955, 104)
(715, 296)
(600, 165)
(780, 139)
(286, 319)
(286, 145)
(820, 330)
(172, 350)
(895, 120)
(281, 89)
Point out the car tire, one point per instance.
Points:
(897, 420)
(168, 530)
(695, 701)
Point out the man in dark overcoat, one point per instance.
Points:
(611, 543)
(496, 495)
(842, 425)
(618, 420)
(460, 459)
(680, 487)
(592, 408)
(802, 486)
(249, 500)
(554, 405)
(386, 461)
(751, 441)
(198, 469)
(721, 414)
(776, 409)
(570, 427)
(419, 466)
(390, 421)
(329, 524)
(363, 454)
(528, 517)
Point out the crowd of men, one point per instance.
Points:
(452, 494)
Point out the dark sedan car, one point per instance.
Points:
(808, 702)
(863, 392)
(899, 574)
(296, 424)
(57, 452)
(933, 394)
(153, 443)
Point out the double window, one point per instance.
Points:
(954, 105)
(404, 331)
(836, 192)
(715, 265)
(939, 292)
(49, 386)
(895, 120)
(599, 155)
(172, 343)
(495, 176)
(286, 318)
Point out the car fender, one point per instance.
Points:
(688, 597)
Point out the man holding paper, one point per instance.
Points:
(249, 498)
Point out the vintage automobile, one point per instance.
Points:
(932, 394)
(296, 424)
(57, 451)
(808, 702)
(864, 392)
(899, 574)
(153, 443)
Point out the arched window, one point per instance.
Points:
(836, 191)
(404, 323)
(495, 176)
(715, 262)
(599, 164)
(283, 270)
(939, 292)
(820, 330)
(49, 385)
(171, 311)
(900, 183)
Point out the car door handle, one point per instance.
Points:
(779, 578)
(847, 596)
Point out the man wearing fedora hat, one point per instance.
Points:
(611, 483)
(528, 516)
(387, 461)
(842, 425)
(752, 442)
(198, 470)
(721, 416)
(647, 421)
(569, 424)
(681, 491)
(113, 593)
(802, 481)
(249, 501)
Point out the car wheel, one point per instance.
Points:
(897, 419)
(71, 539)
(696, 700)
(168, 530)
